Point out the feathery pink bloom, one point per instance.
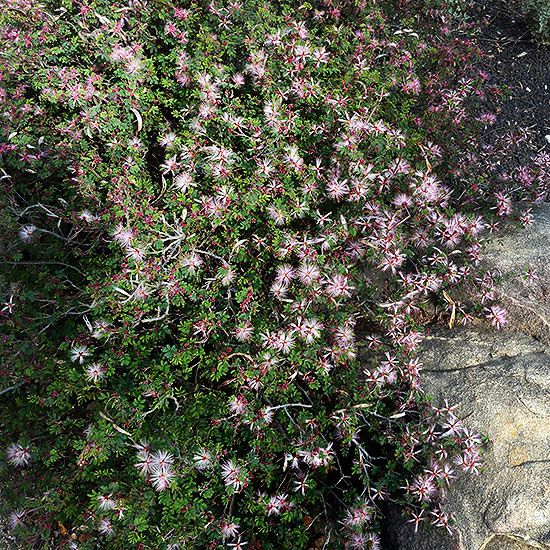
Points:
(106, 527)
(233, 475)
(95, 372)
(18, 455)
(15, 519)
(338, 286)
(497, 316)
(161, 477)
(106, 502)
(229, 530)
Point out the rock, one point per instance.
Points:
(501, 383)
(522, 256)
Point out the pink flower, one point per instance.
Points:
(161, 477)
(469, 461)
(357, 517)
(229, 530)
(95, 372)
(277, 504)
(416, 519)
(308, 273)
(170, 166)
(183, 181)
(238, 404)
(338, 286)
(441, 519)
(337, 189)
(162, 459)
(244, 332)
(15, 519)
(233, 476)
(106, 502)
(79, 353)
(309, 329)
(123, 235)
(300, 485)
(285, 274)
(18, 455)
(239, 545)
(424, 488)
(145, 459)
(294, 159)
(504, 204)
(497, 315)
(167, 139)
(105, 527)
(192, 262)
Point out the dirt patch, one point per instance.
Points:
(520, 66)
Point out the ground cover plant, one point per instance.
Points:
(225, 226)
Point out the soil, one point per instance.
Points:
(516, 61)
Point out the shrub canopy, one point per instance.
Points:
(206, 206)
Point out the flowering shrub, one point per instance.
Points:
(206, 205)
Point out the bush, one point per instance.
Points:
(205, 208)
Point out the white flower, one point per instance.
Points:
(171, 165)
(123, 235)
(301, 485)
(229, 277)
(100, 328)
(203, 459)
(16, 518)
(309, 329)
(238, 404)
(238, 79)
(244, 332)
(285, 274)
(95, 372)
(18, 455)
(239, 545)
(279, 289)
(136, 253)
(133, 66)
(79, 353)
(145, 462)
(276, 215)
(106, 502)
(338, 285)
(161, 477)
(87, 216)
(167, 139)
(229, 530)
(232, 475)
(184, 181)
(284, 341)
(192, 262)
(105, 527)
(26, 233)
(162, 459)
(308, 274)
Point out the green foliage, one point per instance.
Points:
(225, 224)
(539, 12)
